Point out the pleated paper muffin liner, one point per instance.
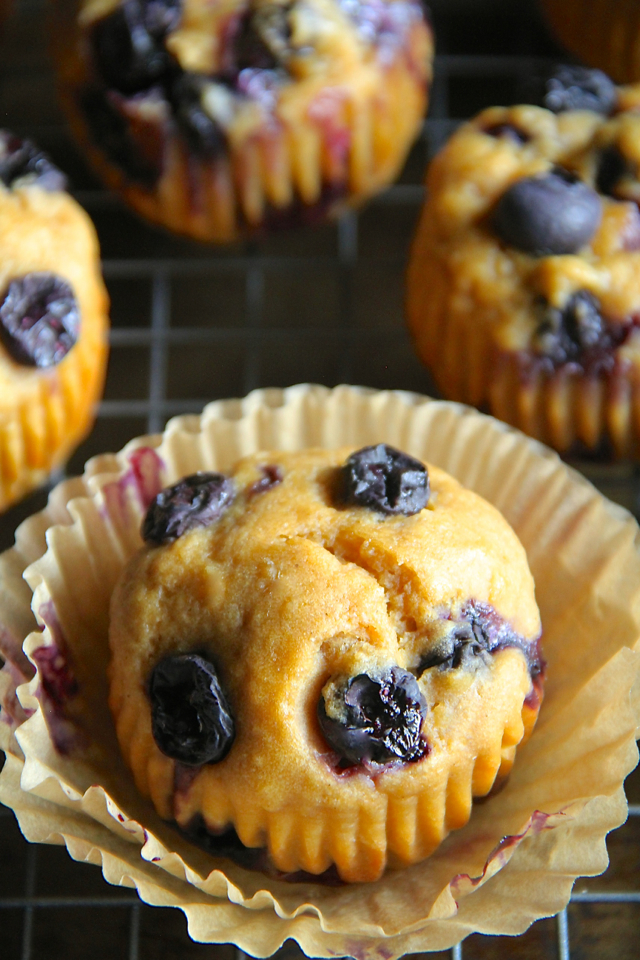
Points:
(518, 856)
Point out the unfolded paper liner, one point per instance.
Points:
(517, 858)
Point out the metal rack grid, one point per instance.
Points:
(191, 324)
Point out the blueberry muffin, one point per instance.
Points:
(53, 319)
(323, 656)
(217, 120)
(603, 33)
(524, 279)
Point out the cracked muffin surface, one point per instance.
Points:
(328, 652)
(218, 120)
(523, 292)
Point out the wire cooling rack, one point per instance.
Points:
(191, 324)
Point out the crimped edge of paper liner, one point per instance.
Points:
(330, 418)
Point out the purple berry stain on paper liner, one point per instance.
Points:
(144, 474)
(11, 650)
(143, 478)
(56, 676)
(58, 685)
(463, 884)
(226, 843)
(12, 712)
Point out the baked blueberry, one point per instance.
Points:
(21, 159)
(190, 715)
(112, 132)
(128, 48)
(375, 718)
(195, 501)
(204, 136)
(263, 40)
(565, 334)
(39, 319)
(572, 87)
(507, 131)
(612, 167)
(551, 214)
(386, 479)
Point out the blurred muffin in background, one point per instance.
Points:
(219, 120)
(524, 279)
(603, 33)
(53, 319)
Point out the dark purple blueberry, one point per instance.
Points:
(110, 132)
(128, 43)
(612, 167)
(21, 159)
(382, 717)
(204, 136)
(271, 477)
(263, 39)
(572, 87)
(551, 214)
(195, 501)
(475, 634)
(565, 334)
(507, 131)
(386, 479)
(190, 716)
(461, 648)
(39, 319)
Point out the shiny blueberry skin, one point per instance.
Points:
(190, 716)
(39, 319)
(128, 43)
(565, 334)
(545, 215)
(21, 159)
(572, 87)
(387, 480)
(195, 501)
(384, 717)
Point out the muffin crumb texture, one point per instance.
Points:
(314, 679)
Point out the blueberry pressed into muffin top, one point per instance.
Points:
(366, 719)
